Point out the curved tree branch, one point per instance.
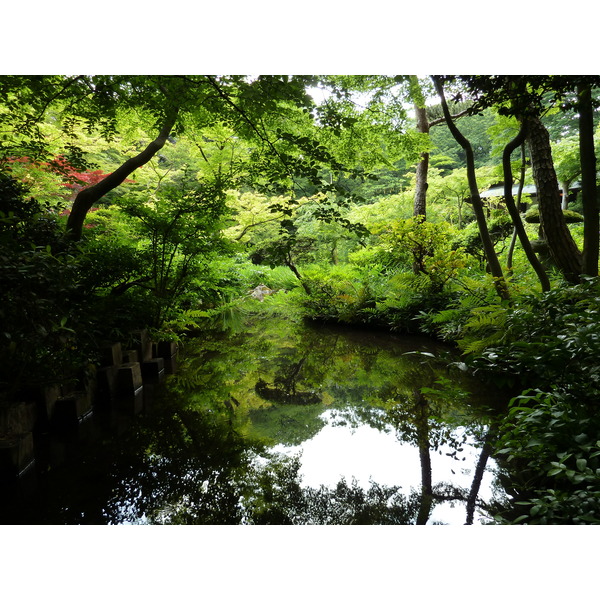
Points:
(90, 195)
(488, 245)
(453, 117)
(513, 211)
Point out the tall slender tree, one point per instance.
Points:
(420, 201)
(513, 211)
(488, 245)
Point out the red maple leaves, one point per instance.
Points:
(73, 179)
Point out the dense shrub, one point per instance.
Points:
(552, 339)
(42, 316)
(337, 294)
(549, 448)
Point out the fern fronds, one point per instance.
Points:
(486, 327)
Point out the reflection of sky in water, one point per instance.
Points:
(363, 453)
(345, 447)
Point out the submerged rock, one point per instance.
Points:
(273, 394)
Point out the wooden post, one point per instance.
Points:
(16, 455)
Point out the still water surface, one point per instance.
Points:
(280, 423)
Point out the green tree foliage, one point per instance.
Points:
(475, 128)
(273, 112)
(178, 230)
(44, 339)
(452, 192)
(368, 116)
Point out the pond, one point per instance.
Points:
(280, 423)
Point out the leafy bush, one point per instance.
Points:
(499, 226)
(408, 297)
(410, 272)
(426, 248)
(43, 322)
(458, 319)
(533, 215)
(337, 294)
(552, 339)
(550, 452)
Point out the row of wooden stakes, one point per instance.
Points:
(119, 383)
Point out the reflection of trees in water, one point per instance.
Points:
(169, 465)
(288, 502)
(360, 376)
(357, 376)
(285, 387)
(196, 471)
(422, 422)
(185, 473)
(278, 498)
(486, 451)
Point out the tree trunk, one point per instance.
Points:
(334, 253)
(561, 245)
(87, 197)
(513, 240)
(587, 155)
(292, 267)
(513, 211)
(484, 234)
(486, 450)
(420, 202)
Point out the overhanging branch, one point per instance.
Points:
(453, 117)
(90, 195)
